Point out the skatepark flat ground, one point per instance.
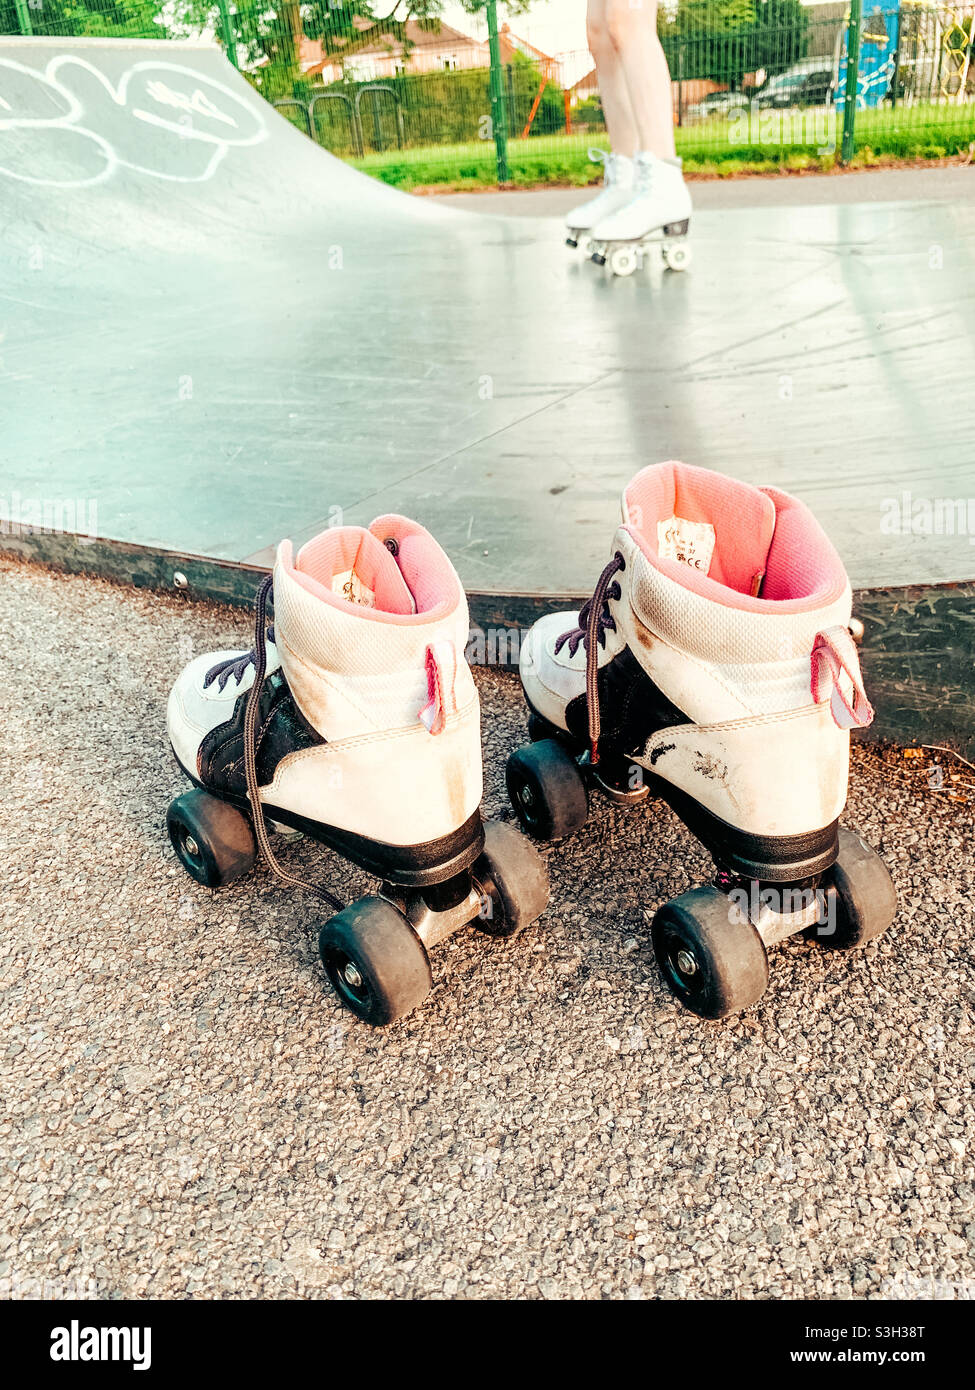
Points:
(190, 1112)
(943, 182)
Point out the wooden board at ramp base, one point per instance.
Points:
(917, 650)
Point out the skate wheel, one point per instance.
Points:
(212, 839)
(375, 961)
(513, 881)
(571, 241)
(624, 260)
(547, 790)
(861, 901)
(598, 258)
(677, 255)
(714, 964)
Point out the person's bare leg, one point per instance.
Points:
(660, 202)
(632, 28)
(613, 88)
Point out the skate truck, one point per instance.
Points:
(626, 255)
(355, 722)
(715, 668)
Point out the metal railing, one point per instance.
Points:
(788, 82)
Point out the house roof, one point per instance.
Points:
(314, 59)
(416, 36)
(511, 44)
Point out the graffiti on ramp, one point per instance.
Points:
(67, 125)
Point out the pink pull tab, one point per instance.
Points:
(834, 656)
(441, 681)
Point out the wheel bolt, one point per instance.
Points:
(191, 847)
(526, 796)
(686, 963)
(352, 976)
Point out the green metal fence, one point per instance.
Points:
(760, 83)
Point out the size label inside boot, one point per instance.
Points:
(691, 542)
(349, 586)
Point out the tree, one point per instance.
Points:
(95, 17)
(722, 40)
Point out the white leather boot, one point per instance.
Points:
(616, 192)
(659, 210)
(355, 720)
(660, 197)
(714, 666)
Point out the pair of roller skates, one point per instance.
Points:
(355, 721)
(715, 667)
(643, 204)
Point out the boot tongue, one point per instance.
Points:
(717, 526)
(351, 563)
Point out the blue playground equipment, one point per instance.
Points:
(879, 42)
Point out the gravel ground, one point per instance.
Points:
(189, 1112)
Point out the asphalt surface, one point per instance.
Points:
(189, 1112)
(941, 183)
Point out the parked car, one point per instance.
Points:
(798, 87)
(717, 104)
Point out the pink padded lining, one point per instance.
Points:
(419, 573)
(742, 517)
(425, 567)
(345, 548)
(755, 529)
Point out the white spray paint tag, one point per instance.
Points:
(691, 542)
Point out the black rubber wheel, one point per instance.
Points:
(861, 901)
(714, 964)
(375, 961)
(539, 729)
(212, 839)
(547, 790)
(513, 880)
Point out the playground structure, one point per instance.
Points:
(910, 53)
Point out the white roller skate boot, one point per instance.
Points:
(617, 190)
(355, 720)
(714, 667)
(659, 211)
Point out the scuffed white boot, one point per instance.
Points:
(355, 720)
(714, 666)
(659, 210)
(616, 192)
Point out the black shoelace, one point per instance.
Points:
(595, 620)
(258, 658)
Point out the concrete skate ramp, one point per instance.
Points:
(215, 334)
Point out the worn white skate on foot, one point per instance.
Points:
(616, 192)
(658, 212)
